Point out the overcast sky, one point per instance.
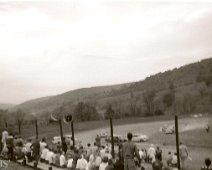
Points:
(48, 48)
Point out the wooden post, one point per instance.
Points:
(36, 128)
(177, 142)
(61, 131)
(112, 141)
(72, 131)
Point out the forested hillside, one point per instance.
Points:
(183, 90)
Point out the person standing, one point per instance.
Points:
(129, 152)
(183, 154)
(36, 150)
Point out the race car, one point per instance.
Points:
(140, 138)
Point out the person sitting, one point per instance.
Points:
(207, 164)
(63, 160)
(57, 159)
(49, 157)
(44, 153)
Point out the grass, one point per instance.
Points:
(15, 166)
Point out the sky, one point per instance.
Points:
(51, 47)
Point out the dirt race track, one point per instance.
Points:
(192, 133)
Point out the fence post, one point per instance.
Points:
(177, 142)
(111, 133)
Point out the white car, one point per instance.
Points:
(68, 139)
(140, 138)
(170, 130)
(103, 134)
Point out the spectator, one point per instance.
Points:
(42, 144)
(44, 154)
(119, 164)
(4, 137)
(98, 160)
(104, 163)
(174, 160)
(129, 152)
(36, 150)
(81, 163)
(169, 159)
(159, 153)
(110, 165)
(151, 153)
(207, 164)
(70, 164)
(28, 150)
(63, 160)
(49, 157)
(142, 154)
(91, 164)
(88, 151)
(107, 153)
(183, 154)
(157, 164)
(10, 146)
(57, 159)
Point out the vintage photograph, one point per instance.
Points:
(105, 84)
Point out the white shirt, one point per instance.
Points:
(4, 136)
(103, 166)
(44, 153)
(70, 161)
(49, 157)
(27, 146)
(42, 146)
(62, 160)
(151, 152)
(81, 164)
(98, 161)
(141, 154)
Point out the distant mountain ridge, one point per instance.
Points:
(193, 80)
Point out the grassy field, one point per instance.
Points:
(192, 133)
(14, 166)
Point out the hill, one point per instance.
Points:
(183, 90)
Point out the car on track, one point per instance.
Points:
(68, 139)
(116, 138)
(140, 138)
(103, 134)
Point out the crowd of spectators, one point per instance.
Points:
(90, 157)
